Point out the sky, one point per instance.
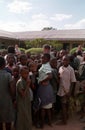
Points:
(34, 15)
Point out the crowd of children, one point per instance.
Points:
(33, 88)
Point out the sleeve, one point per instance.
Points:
(9, 77)
(19, 85)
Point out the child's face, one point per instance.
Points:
(65, 61)
(23, 61)
(11, 60)
(15, 72)
(33, 67)
(44, 60)
(54, 63)
(46, 50)
(24, 73)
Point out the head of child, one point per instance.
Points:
(62, 53)
(32, 67)
(10, 59)
(46, 48)
(53, 63)
(15, 71)
(11, 49)
(45, 58)
(2, 63)
(24, 72)
(65, 61)
(23, 59)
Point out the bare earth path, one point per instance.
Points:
(73, 124)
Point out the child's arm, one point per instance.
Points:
(58, 78)
(24, 91)
(28, 84)
(48, 78)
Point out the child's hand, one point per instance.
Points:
(44, 83)
(58, 76)
(23, 92)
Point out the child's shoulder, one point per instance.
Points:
(19, 81)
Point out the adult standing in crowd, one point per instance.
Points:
(17, 50)
(47, 50)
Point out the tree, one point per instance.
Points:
(48, 28)
(38, 43)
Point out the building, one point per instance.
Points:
(69, 38)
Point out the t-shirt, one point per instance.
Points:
(67, 76)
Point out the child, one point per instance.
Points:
(23, 60)
(45, 91)
(34, 86)
(67, 76)
(10, 63)
(24, 121)
(15, 78)
(55, 84)
(6, 106)
(54, 81)
(17, 50)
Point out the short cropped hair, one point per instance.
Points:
(2, 61)
(11, 49)
(46, 55)
(46, 46)
(24, 68)
(23, 56)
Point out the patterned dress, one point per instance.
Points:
(24, 121)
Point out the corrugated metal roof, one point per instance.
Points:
(78, 34)
(6, 34)
(74, 34)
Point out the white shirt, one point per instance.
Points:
(80, 58)
(43, 71)
(67, 76)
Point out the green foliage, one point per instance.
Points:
(55, 44)
(35, 50)
(28, 44)
(22, 50)
(74, 50)
(38, 43)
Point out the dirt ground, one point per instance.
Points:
(74, 123)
